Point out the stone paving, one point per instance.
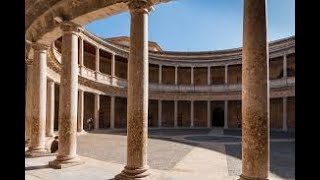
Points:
(172, 155)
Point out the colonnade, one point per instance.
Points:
(255, 95)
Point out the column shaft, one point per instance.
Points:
(81, 52)
(175, 113)
(96, 110)
(28, 108)
(226, 114)
(209, 114)
(192, 114)
(192, 75)
(97, 63)
(80, 111)
(255, 92)
(226, 74)
(159, 112)
(285, 117)
(112, 110)
(50, 109)
(176, 75)
(39, 100)
(160, 74)
(113, 65)
(285, 66)
(209, 75)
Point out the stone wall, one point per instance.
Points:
(167, 114)
(184, 108)
(276, 113)
(200, 113)
(200, 76)
(184, 75)
(168, 74)
(217, 75)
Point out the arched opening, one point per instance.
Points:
(218, 117)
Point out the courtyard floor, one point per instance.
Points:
(173, 154)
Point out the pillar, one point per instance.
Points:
(192, 75)
(285, 66)
(80, 111)
(160, 74)
(226, 74)
(112, 110)
(39, 100)
(50, 108)
(113, 65)
(81, 52)
(176, 75)
(175, 113)
(285, 116)
(159, 112)
(209, 75)
(68, 102)
(97, 63)
(255, 92)
(28, 108)
(138, 87)
(192, 114)
(209, 114)
(96, 110)
(226, 114)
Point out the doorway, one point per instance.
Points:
(217, 117)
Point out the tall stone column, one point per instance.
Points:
(28, 110)
(160, 74)
(68, 102)
(97, 62)
(209, 75)
(112, 110)
(255, 92)
(226, 114)
(81, 52)
(285, 66)
(50, 109)
(39, 100)
(176, 75)
(226, 74)
(159, 112)
(96, 110)
(138, 83)
(113, 65)
(192, 82)
(192, 113)
(80, 111)
(285, 115)
(209, 114)
(175, 113)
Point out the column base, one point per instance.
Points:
(60, 164)
(81, 132)
(30, 153)
(134, 174)
(242, 177)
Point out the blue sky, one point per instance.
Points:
(200, 25)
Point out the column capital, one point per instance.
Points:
(39, 46)
(140, 5)
(70, 27)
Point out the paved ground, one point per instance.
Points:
(172, 155)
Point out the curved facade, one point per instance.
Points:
(186, 89)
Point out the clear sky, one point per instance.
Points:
(200, 25)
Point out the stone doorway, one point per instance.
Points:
(217, 117)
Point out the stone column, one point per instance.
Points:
(226, 114)
(159, 112)
(192, 75)
(285, 66)
(112, 110)
(80, 111)
(192, 114)
(97, 62)
(226, 74)
(138, 87)
(176, 75)
(113, 65)
(285, 119)
(39, 100)
(81, 52)
(160, 74)
(96, 110)
(209, 75)
(28, 108)
(50, 109)
(209, 114)
(175, 113)
(255, 92)
(68, 102)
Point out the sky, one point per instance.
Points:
(200, 25)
